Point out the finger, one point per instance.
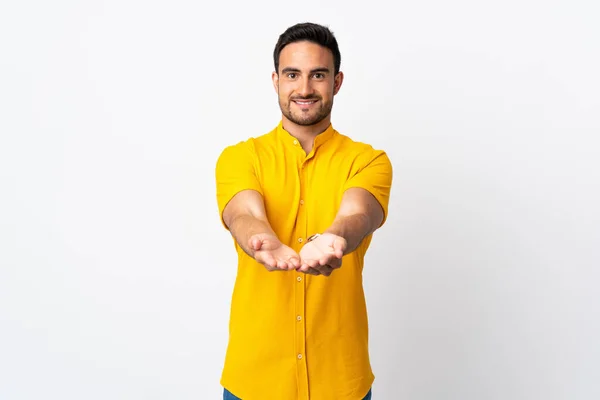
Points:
(290, 266)
(328, 259)
(325, 259)
(255, 243)
(304, 267)
(294, 262)
(339, 246)
(267, 260)
(325, 269)
(335, 263)
(308, 264)
(339, 253)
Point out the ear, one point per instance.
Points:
(337, 82)
(275, 79)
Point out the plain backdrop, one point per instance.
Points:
(116, 275)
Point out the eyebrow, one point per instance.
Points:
(312, 71)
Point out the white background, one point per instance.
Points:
(116, 276)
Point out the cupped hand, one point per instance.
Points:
(275, 256)
(322, 255)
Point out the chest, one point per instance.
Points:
(304, 191)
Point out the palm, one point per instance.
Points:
(273, 254)
(325, 251)
(315, 251)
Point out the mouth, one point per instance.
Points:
(305, 103)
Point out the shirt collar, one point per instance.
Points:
(320, 139)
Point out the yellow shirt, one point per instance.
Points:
(293, 335)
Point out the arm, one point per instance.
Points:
(360, 214)
(363, 210)
(242, 209)
(246, 219)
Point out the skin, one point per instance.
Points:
(306, 73)
(247, 221)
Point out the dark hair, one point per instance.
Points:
(311, 32)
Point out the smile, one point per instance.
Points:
(304, 102)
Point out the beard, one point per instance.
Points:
(308, 117)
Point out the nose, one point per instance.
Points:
(305, 88)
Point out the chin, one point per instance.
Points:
(308, 122)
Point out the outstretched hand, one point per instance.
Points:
(275, 256)
(322, 255)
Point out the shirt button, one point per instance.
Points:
(299, 278)
(300, 240)
(301, 202)
(299, 356)
(299, 318)
(295, 142)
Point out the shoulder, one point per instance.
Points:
(235, 154)
(362, 152)
(239, 147)
(249, 146)
(355, 145)
(245, 150)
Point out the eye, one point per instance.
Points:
(291, 75)
(319, 75)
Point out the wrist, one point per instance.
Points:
(313, 237)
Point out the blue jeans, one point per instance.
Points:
(228, 396)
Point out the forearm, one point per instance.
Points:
(354, 228)
(244, 227)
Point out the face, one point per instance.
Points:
(306, 83)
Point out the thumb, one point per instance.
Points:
(339, 246)
(255, 242)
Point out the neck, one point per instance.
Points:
(306, 134)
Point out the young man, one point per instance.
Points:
(301, 203)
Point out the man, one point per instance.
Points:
(301, 203)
